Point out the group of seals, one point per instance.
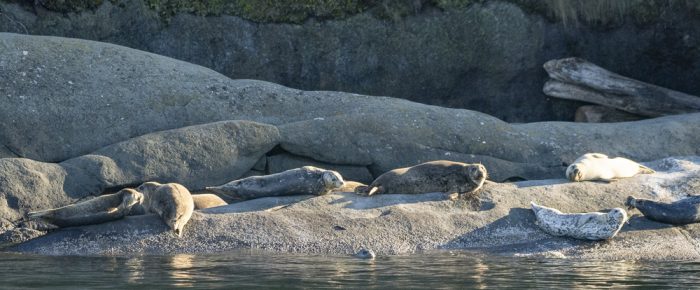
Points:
(172, 202)
(597, 225)
(597, 166)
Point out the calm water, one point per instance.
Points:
(248, 269)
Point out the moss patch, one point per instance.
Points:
(596, 12)
(70, 5)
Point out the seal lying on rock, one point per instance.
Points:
(171, 201)
(299, 181)
(584, 226)
(434, 176)
(207, 200)
(681, 212)
(596, 166)
(101, 209)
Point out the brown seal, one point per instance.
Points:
(101, 209)
(207, 200)
(434, 176)
(171, 201)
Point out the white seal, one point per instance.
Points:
(596, 166)
(584, 226)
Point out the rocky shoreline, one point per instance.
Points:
(81, 118)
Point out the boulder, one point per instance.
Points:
(69, 97)
(195, 156)
(341, 223)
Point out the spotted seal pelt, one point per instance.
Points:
(307, 180)
(101, 209)
(681, 212)
(584, 226)
(171, 201)
(207, 200)
(434, 176)
(596, 166)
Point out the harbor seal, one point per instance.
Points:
(171, 201)
(434, 176)
(101, 209)
(307, 180)
(681, 212)
(207, 200)
(596, 166)
(583, 226)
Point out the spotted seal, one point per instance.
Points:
(596, 166)
(307, 180)
(584, 226)
(434, 176)
(101, 209)
(680, 212)
(171, 201)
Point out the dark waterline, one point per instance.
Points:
(255, 269)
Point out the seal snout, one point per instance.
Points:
(631, 202)
(574, 173)
(477, 173)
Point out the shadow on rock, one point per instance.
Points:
(514, 233)
(354, 201)
(640, 223)
(258, 204)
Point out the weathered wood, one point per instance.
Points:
(577, 79)
(602, 114)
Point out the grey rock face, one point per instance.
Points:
(399, 224)
(194, 156)
(468, 58)
(78, 96)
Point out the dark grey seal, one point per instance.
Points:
(307, 180)
(434, 176)
(681, 212)
(101, 209)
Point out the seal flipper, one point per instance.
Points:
(361, 190)
(645, 170)
(376, 190)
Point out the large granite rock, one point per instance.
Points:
(69, 97)
(486, 56)
(195, 156)
(398, 224)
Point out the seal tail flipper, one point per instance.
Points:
(38, 214)
(645, 170)
(535, 208)
(375, 190)
(361, 190)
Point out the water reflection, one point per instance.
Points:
(181, 270)
(248, 269)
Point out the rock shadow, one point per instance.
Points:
(258, 204)
(515, 233)
(356, 201)
(640, 223)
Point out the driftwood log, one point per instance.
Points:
(602, 114)
(577, 79)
